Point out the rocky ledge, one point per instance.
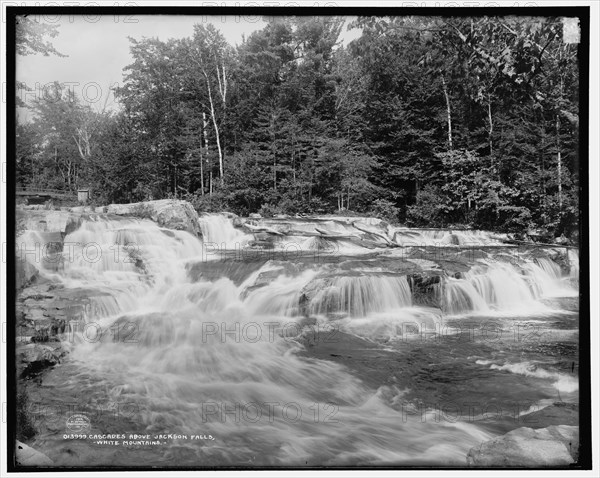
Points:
(168, 213)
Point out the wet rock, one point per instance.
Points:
(34, 358)
(309, 291)
(277, 269)
(424, 289)
(255, 215)
(26, 273)
(526, 447)
(236, 270)
(27, 456)
(237, 221)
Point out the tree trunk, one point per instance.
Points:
(559, 162)
(273, 151)
(542, 162)
(448, 111)
(348, 200)
(201, 173)
(216, 127)
(175, 180)
(491, 125)
(558, 154)
(207, 155)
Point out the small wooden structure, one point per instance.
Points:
(83, 195)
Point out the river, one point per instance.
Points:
(302, 342)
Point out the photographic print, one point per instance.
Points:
(289, 238)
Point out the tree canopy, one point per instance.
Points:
(421, 120)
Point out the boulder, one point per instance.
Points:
(168, 213)
(48, 221)
(255, 215)
(529, 448)
(27, 456)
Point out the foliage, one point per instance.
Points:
(431, 208)
(428, 120)
(385, 209)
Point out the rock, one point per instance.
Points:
(529, 448)
(45, 220)
(561, 240)
(255, 215)
(168, 213)
(26, 273)
(423, 286)
(33, 358)
(27, 456)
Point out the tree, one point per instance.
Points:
(30, 39)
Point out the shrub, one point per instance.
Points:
(215, 203)
(432, 208)
(385, 209)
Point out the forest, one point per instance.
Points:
(422, 121)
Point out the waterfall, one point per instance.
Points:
(218, 229)
(361, 295)
(461, 296)
(503, 286)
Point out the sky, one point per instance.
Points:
(98, 50)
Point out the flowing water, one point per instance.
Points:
(303, 342)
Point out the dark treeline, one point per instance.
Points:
(423, 120)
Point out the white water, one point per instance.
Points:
(202, 347)
(362, 295)
(561, 381)
(444, 237)
(218, 229)
(504, 286)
